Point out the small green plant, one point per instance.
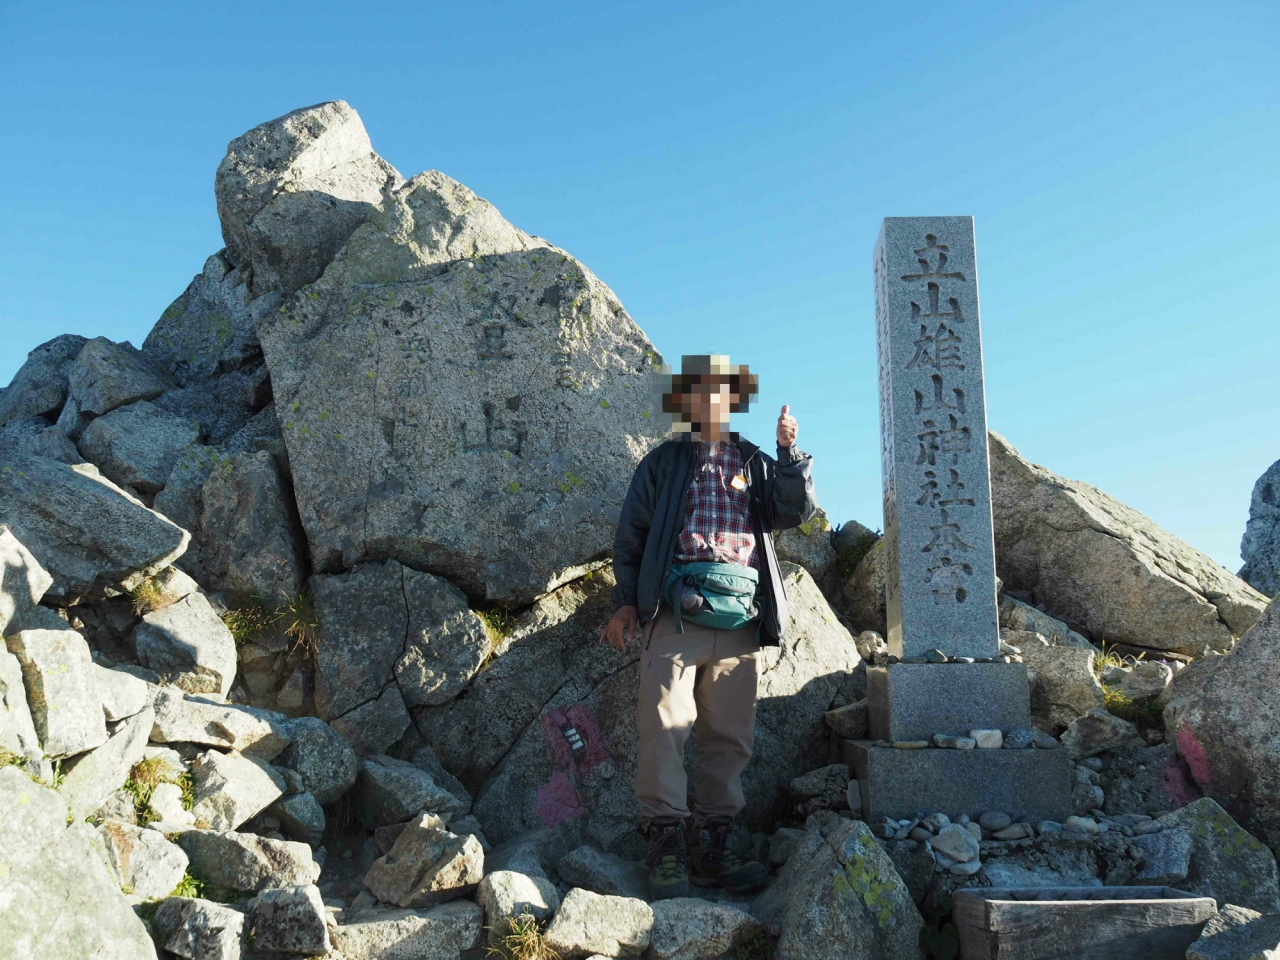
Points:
(1106, 659)
(758, 946)
(523, 941)
(1120, 704)
(188, 886)
(8, 758)
(247, 621)
(499, 622)
(188, 788)
(939, 939)
(298, 619)
(149, 596)
(58, 775)
(143, 779)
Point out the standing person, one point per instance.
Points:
(698, 581)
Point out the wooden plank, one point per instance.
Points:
(1085, 923)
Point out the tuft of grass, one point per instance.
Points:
(499, 623)
(143, 779)
(188, 886)
(1106, 658)
(9, 759)
(247, 621)
(758, 946)
(149, 596)
(523, 941)
(1120, 704)
(300, 622)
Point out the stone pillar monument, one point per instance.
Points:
(944, 674)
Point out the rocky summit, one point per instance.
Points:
(300, 604)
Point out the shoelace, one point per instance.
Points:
(718, 847)
(670, 865)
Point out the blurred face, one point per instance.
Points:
(707, 407)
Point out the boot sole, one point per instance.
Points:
(707, 882)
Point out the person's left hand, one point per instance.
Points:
(787, 428)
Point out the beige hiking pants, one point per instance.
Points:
(700, 679)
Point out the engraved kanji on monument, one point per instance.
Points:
(940, 556)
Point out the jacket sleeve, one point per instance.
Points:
(789, 499)
(633, 531)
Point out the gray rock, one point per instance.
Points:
(1166, 856)
(92, 537)
(605, 873)
(994, 820)
(446, 645)
(166, 804)
(301, 817)
(290, 920)
(34, 437)
(39, 388)
(1096, 731)
(253, 732)
(62, 693)
(1222, 714)
(589, 924)
(1260, 545)
(1228, 917)
(862, 593)
(137, 445)
(1020, 738)
(230, 788)
(60, 900)
(247, 544)
(436, 933)
(849, 721)
(188, 645)
(470, 826)
(1257, 940)
(840, 897)
(424, 758)
(326, 762)
(291, 191)
(22, 583)
(427, 865)
(826, 785)
(550, 676)
(956, 843)
(247, 862)
(199, 929)
(1146, 681)
(692, 929)
(505, 895)
(535, 852)
(122, 694)
(1065, 686)
(223, 407)
(783, 843)
(1106, 566)
(808, 545)
(394, 790)
(1019, 616)
(144, 862)
(1226, 863)
(208, 330)
(542, 376)
(373, 727)
(17, 729)
(106, 375)
(90, 778)
(117, 808)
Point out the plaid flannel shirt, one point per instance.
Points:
(717, 524)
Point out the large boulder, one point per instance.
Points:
(106, 375)
(290, 920)
(1260, 546)
(62, 690)
(245, 861)
(22, 583)
(208, 330)
(92, 777)
(292, 190)
(92, 537)
(808, 545)
(326, 762)
(39, 388)
(496, 392)
(505, 895)
(589, 924)
(59, 898)
(198, 929)
(229, 788)
(229, 726)
(1226, 863)
(221, 407)
(441, 932)
(1064, 686)
(383, 623)
(35, 437)
(392, 791)
(1223, 714)
(515, 711)
(144, 862)
(187, 643)
(862, 592)
(137, 445)
(1102, 564)
(17, 729)
(687, 928)
(427, 865)
(840, 898)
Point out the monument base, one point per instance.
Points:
(1027, 784)
(913, 701)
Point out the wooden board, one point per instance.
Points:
(1079, 923)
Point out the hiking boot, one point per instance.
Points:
(668, 859)
(713, 861)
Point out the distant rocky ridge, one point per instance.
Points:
(299, 598)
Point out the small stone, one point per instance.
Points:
(935, 656)
(1091, 763)
(1147, 828)
(783, 843)
(143, 861)
(1017, 831)
(166, 804)
(505, 895)
(994, 820)
(1082, 824)
(1095, 732)
(849, 721)
(231, 787)
(1044, 741)
(910, 744)
(589, 924)
(966, 869)
(427, 865)
(883, 831)
(987, 739)
(936, 821)
(1009, 649)
(955, 842)
(949, 742)
(189, 927)
(974, 830)
(1048, 826)
(921, 834)
(290, 920)
(1019, 739)
(605, 873)
(962, 660)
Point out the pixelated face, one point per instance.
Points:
(701, 397)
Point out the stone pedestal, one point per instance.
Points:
(913, 701)
(1026, 784)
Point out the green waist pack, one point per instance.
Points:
(721, 596)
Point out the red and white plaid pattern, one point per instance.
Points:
(717, 523)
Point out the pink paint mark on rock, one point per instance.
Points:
(1178, 785)
(1193, 753)
(558, 800)
(580, 717)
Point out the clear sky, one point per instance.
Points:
(724, 167)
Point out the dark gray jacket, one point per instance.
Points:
(654, 511)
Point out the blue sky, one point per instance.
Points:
(724, 167)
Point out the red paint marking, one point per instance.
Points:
(558, 800)
(580, 717)
(1193, 753)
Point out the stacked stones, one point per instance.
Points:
(945, 681)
